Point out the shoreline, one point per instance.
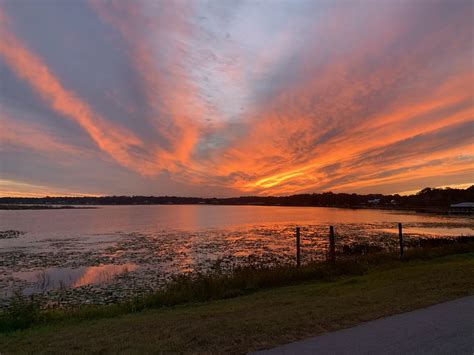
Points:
(21, 207)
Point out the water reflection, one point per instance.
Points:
(53, 278)
(434, 231)
(169, 240)
(110, 220)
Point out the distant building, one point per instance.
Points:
(375, 201)
(463, 207)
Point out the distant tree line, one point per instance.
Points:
(428, 198)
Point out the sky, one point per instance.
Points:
(228, 98)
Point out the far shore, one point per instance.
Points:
(428, 200)
(41, 207)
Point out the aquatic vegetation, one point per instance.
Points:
(137, 263)
(10, 234)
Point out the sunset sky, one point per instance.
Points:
(228, 98)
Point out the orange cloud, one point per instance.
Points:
(175, 108)
(17, 134)
(321, 120)
(116, 141)
(14, 188)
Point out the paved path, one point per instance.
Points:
(446, 328)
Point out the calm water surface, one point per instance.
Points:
(145, 245)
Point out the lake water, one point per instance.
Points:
(133, 249)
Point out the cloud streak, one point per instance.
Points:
(115, 141)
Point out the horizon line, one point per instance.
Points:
(407, 193)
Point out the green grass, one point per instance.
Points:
(259, 319)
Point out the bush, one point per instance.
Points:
(21, 313)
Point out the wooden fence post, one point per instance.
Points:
(298, 256)
(400, 235)
(332, 245)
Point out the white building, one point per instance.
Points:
(463, 207)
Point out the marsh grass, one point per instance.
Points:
(22, 312)
(25, 311)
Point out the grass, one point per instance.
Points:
(198, 315)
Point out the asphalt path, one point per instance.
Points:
(446, 328)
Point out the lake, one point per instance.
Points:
(125, 250)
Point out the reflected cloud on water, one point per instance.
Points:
(54, 278)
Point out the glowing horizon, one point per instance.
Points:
(219, 98)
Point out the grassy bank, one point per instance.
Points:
(258, 314)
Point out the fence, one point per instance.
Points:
(331, 252)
